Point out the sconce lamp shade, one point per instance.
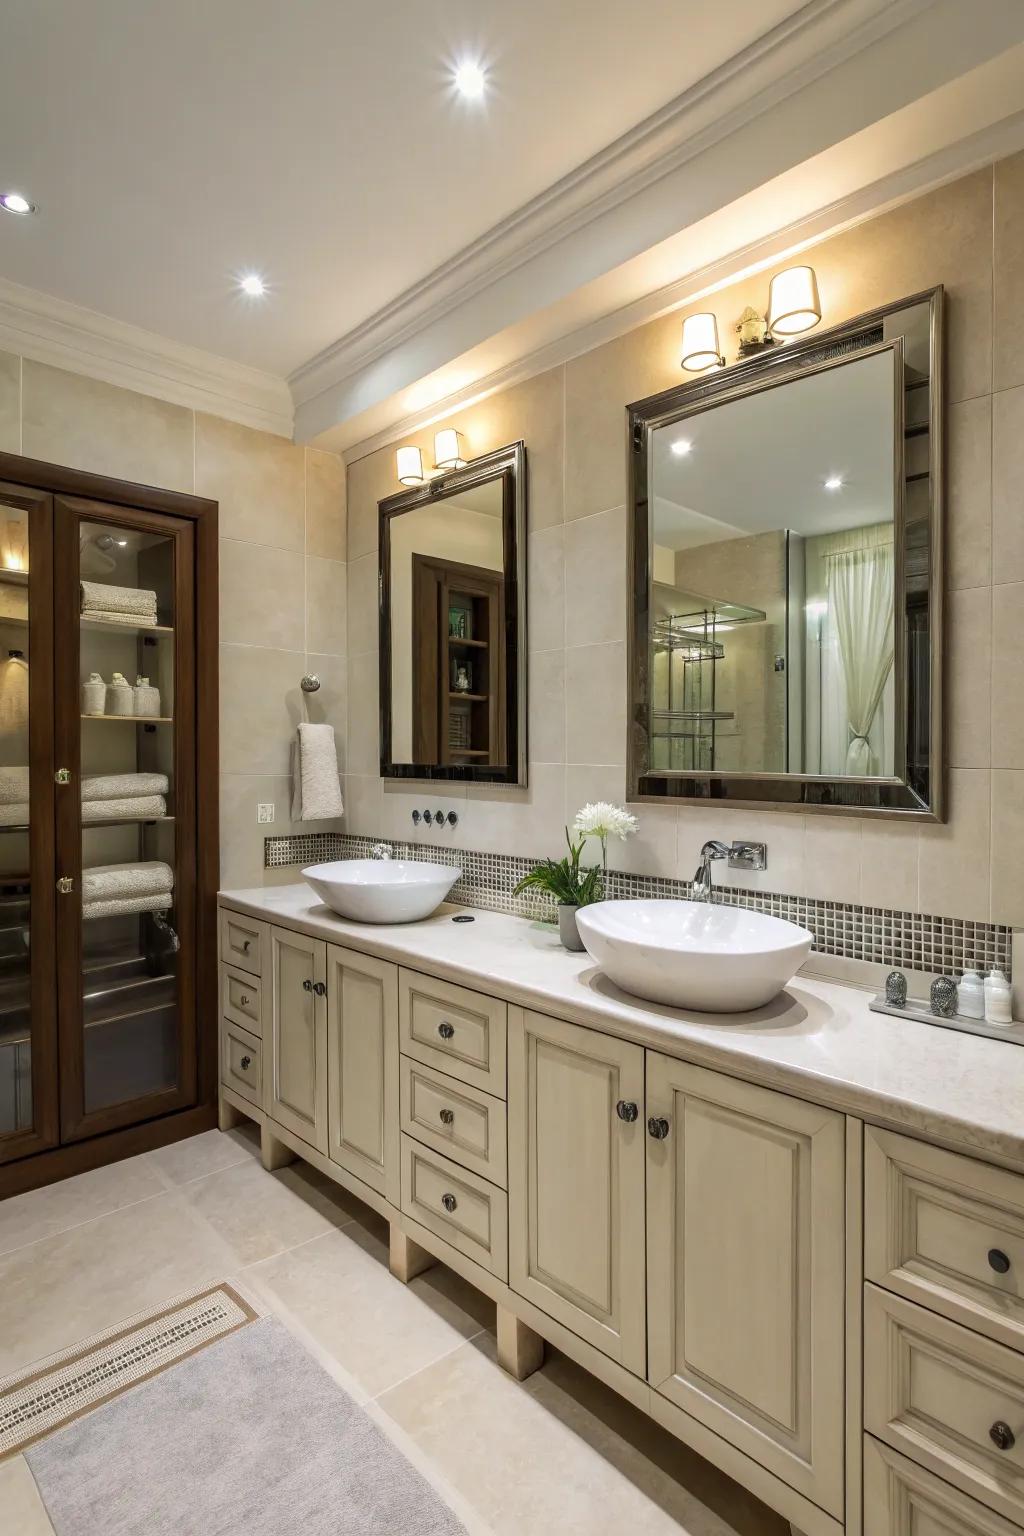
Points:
(448, 452)
(793, 303)
(410, 466)
(700, 343)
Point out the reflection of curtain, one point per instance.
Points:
(860, 599)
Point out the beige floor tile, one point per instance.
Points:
(209, 1152)
(575, 1460)
(23, 1511)
(42, 1213)
(256, 1214)
(67, 1287)
(379, 1331)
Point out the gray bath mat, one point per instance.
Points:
(250, 1437)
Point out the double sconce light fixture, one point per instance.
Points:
(449, 453)
(793, 307)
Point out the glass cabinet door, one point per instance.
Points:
(28, 1070)
(124, 603)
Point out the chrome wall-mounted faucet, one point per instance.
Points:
(741, 855)
(380, 851)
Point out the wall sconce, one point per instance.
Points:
(793, 303)
(448, 448)
(449, 453)
(409, 462)
(700, 344)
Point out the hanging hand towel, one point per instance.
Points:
(316, 788)
(13, 785)
(120, 905)
(99, 597)
(140, 807)
(117, 786)
(109, 882)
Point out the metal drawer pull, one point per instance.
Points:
(626, 1110)
(307, 985)
(447, 1117)
(445, 1030)
(319, 989)
(1002, 1436)
(658, 1128)
(245, 1063)
(998, 1260)
(449, 1202)
(246, 946)
(246, 999)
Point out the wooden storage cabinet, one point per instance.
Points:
(242, 1063)
(458, 1121)
(241, 999)
(902, 1499)
(745, 1269)
(362, 1068)
(460, 1207)
(297, 1087)
(454, 1029)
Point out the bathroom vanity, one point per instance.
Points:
(795, 1238)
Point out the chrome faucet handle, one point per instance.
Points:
(380, 851)
(744, 855)
(713, 849)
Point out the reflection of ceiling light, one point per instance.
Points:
(834, 483)
(470, 80)
(15, 202)
(252, 285)
(681, 447)
(122, 543)
(816, 610)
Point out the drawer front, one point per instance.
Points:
(243, 941)
(901, 1499)
(946, 1231)
(241, 999)
(241, 1062)
(461, 1122)
(454, 1030)
(460, 1207)
(947, 1398)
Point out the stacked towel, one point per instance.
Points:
(115, 890)
(15, 814)
(144, 807)
(115, 786)
(14, 793)
(316, 788)
(118, 605)
(120, 906)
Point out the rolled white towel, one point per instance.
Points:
(100, 597)
(316, 788)
(119, 906)
(108, 882)
(14, 815)
(119, 786)
(13, 785)
(145, 807)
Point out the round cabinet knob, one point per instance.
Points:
(998, 1260)
(1002, 1436)
(245, 1063)
(626, 1110)
(319, 989)
(447, 1117)
(445, 1030)
(657, 1127)
(307, 985)
(449, 1202)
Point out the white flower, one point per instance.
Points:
(602, 819)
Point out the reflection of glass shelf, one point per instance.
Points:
(468, 752)
(464, 640)
(472, 698)
(12, 578)
(126, 821)
(669, 715)
(134, 719)
(107, 628)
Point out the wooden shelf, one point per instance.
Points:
(134, 719)
(103, 626)
(126, 821)
(462, 640)
(471, 698)
(468, 752)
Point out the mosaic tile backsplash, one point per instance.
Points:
(908, 941)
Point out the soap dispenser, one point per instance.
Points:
(997, 999)
(972, 995)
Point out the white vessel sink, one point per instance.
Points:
(382, 890)
(694, 954)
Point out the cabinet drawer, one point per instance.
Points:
(241, 1062)
(461, 1122)
(946, 1231)
(241, 999)
(947, 1398)
(901, 1499)
(243, 941)
(459, 1206)
(453, 1029)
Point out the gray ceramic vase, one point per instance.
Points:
(567, 930)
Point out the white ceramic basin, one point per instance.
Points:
(382, 890)
(694, 954)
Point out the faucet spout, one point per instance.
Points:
(703, 887)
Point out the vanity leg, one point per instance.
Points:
(274, 1153)
(793, 1530)
(407, 1258)
(520, 1350)
(228, 1116)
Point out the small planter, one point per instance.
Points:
(567, 929)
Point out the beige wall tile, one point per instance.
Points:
(1008, 678)
(530, 821)
(545, 579)
(86, 424)
(1008, 229)
(598, 387)
(363, 626)
(1008, 486)
(260, 707)
(546, 698)
(832, 858)
(362, 794)
(595, 578)
(258, 479)
(595, 704)
(262, 596)
(651, 849)
(370, 480)
(363, 724)
(532, 411)
(954, 858)
(10, 403)
(326, 605)
(889, 864)
(400, 797)
(1007, 842)
(969, 653)
(325, 505)
(242, 836)
(782, 833)
(969, 517)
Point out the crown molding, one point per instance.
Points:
(47, 330)
(970, 154)
(822, 35)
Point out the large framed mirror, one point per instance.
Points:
(453, 624)
(786, 575)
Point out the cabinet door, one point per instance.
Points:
(362, 1068)
(297, 1093)
(576, 1180)
(745, 1253)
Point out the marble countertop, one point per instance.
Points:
(818, 1039)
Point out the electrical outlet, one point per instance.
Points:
(265, 811)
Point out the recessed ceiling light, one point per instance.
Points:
(834, 483)
(470, 79)
(16, 202)
(681, 447)
(252, 285)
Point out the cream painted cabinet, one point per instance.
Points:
(362, 1068)
(576, 1180)
(745, 1269)
(297, 1087)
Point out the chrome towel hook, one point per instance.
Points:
(310, 683)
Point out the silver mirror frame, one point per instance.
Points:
(917, 792)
